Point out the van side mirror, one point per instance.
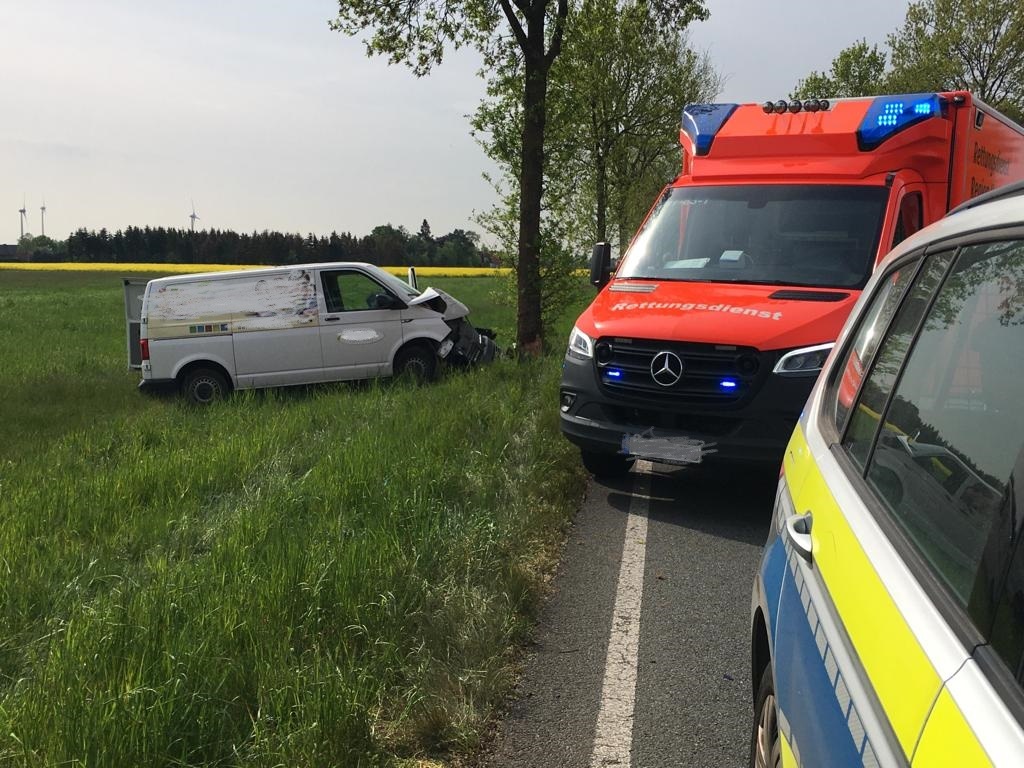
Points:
(600, 265)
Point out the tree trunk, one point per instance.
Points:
(531, 187)
(601, 182)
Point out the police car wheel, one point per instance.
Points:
(765, 743)
(203, 386)
(606, 464)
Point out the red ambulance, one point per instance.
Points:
(707, 338)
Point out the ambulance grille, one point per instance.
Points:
(710, 374)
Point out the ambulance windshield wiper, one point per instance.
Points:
(790, 284)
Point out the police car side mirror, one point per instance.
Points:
(600, 265)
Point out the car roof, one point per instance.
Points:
(257, 271)
(1003, 207)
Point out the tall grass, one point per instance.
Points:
(334, 577)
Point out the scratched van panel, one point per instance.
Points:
(231, 305)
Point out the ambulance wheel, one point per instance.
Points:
(416, 363)
(605, 464)
(203, 386)
(765, 743)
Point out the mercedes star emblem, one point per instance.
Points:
(666, 368)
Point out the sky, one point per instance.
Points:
(124, 112)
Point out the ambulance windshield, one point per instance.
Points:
(807, 235)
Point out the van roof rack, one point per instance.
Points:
(1009, 190)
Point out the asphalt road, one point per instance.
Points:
(658, 567)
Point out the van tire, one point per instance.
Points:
(202, 386)
(416, 363)
(606, 464)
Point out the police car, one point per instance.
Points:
(887, 621)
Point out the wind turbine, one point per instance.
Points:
(42, 218)
(24, 215)
(193, 216)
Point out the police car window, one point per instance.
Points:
(955, 423)
(1008, 626)
(864, 420)
(843, 388)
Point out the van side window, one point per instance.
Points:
(350, 290)
(864, 420)
(842, 390)
(954, 426)
(909, 219)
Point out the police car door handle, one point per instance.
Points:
(331, 319)
(798, 531)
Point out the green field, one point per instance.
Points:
(326, 576)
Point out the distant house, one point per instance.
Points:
(10, 253)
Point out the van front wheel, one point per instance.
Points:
(416, 363)
(203, 386)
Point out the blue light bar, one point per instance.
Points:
(888, 115)
(728, 384)
(701, 122)
(613, 373)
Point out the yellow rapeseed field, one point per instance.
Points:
(187, 268)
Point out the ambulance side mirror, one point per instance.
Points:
(600, 265)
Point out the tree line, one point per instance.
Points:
(584, 98)
(386, 245)
(526, 46)
(942, 45)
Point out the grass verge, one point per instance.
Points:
(329, 577)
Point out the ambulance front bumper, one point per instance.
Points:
(754, 430)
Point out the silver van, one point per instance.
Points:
(207, 334)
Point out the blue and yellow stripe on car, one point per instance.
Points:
(892, 659)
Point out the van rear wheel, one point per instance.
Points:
(203, 386)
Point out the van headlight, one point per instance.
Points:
(581, 346)
(806, 361)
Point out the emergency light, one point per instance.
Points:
(888, 115)
(702, 121)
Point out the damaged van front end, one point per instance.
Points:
(466, 344)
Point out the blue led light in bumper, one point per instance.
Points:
(728, 384)
(702, 121)
(613, 373)
(888, 115)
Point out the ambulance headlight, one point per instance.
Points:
(806, 361)
(581, 346)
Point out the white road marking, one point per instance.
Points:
(613, 740)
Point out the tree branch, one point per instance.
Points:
(556, 39)
(514, 23)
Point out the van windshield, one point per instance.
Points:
(802, 235)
